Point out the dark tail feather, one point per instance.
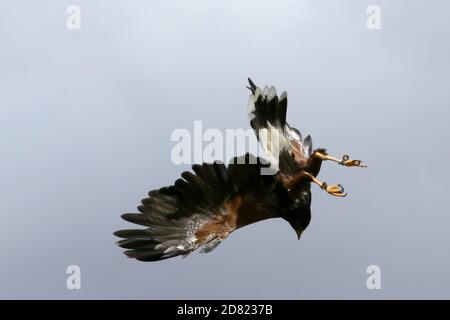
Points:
(266, 107)
(252, 87)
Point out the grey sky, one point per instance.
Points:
(86, 118)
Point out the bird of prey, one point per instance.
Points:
(202, 208)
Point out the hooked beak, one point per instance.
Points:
(299, 232)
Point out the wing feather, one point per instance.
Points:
(199, 210)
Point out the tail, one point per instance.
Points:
(266, 108)
(267, 114)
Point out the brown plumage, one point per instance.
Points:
(203, 208)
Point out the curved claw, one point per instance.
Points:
(352, 163)
(336, 190)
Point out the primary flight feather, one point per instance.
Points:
(202, 208)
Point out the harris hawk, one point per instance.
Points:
(203, 207)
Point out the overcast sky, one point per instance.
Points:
(86, 118)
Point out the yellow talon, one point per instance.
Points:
(352, 163)
(345, 161)
(336, 190)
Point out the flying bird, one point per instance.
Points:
(203, 207)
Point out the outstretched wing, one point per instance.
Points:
(199, 210)
(282, 143)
